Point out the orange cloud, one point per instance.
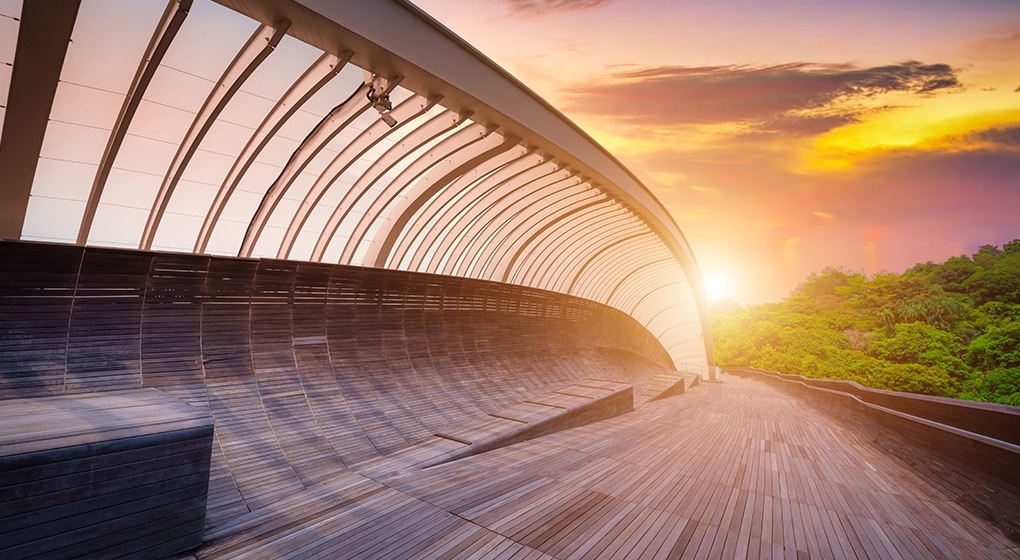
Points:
(704, 190)
(538, 7)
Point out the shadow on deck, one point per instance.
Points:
(732, 470)
(325, 382)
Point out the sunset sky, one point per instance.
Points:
(787, 136)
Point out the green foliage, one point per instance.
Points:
(938, 310)
(996, 312)
(916, 378)
(999, 347)
(1001, 385)
(824, 283)
(954, 272)
(911, 340)
(995, 285)
(949, 329)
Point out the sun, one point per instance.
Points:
(717, 286)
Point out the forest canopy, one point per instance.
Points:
(950, 329)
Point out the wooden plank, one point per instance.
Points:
(311, 369)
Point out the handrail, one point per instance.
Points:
(997, 421)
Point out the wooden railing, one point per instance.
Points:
(968, 450)
(306, 368)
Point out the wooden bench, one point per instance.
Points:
(102, 474)
(575, 405)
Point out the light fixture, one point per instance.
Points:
(380, 100)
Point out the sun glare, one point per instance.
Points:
(717, 286)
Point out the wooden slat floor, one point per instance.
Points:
(730, 470)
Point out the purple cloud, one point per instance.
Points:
(1008, 137)
(767, 97)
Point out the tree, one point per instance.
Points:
(916, 378)
(884, 291)
(1001, 385)
(925, 270)
(726, 306)
(995, 285)
(938, 310)
(987, 256)
(888, 318)
(910, 341)
(824, 283)
(949, 329)
(954, 272)
(999, 347)
(997, 313)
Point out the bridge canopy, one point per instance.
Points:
(358, 133)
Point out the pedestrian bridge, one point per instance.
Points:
(306, 278)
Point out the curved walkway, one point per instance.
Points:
(731, 470)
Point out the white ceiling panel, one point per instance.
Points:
(209, 39)
(52, 219)
(73, 142)
(189, 131)
(86, 105)
(107, 43)
(63, 179)
(177, 233)
(118, 226)
(131, 188)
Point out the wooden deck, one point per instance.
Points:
(730, 470)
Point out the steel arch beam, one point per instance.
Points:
(642, 232)
(449, 207)
(433, 181)
(640, 287)
(569, 231)
(320, 73)
(43, 36)
(667, 313)
(580, 259)
(615, 264)
(506, 269)
(258, 47)
(612, 276)
(493, 211)
(655, 302)
(651, 324)
(534, 213)
(651, 293)
(461, 215)
(405, 113)
(521, 215)
(503, 204)
(584, 245)
(432, 53)
(432, 130)
(169, 24)
(450, 151)
(328, 128)
(634, 272)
